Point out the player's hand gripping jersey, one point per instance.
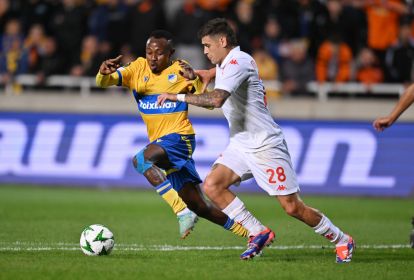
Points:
(171, 117)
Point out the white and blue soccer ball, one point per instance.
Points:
(97, 240)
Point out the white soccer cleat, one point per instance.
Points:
(187, 222)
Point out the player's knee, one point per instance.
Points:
(210, 187)
(141, 164)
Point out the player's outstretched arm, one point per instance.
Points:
(215, 98)
(104, 77)
(109, 66)
(403, 103)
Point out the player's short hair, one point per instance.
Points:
(163, 34)
(218, 26)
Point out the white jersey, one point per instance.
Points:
(252, 128)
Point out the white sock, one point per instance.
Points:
(184, 211)
(238, 212)
(328, 230)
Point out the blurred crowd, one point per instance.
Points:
(293, 41)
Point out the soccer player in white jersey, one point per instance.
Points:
(257, 147)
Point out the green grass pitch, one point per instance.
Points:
(40, 230)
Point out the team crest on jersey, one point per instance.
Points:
(172, 78)
(146, 78)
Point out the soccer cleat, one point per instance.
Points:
(257, 243)
(186, 222)
(344, 251)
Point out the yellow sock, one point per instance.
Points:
(236, 228)
(170, 195)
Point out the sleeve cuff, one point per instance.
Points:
(223, 87)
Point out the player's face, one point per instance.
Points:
(215, 48)
(158, 54)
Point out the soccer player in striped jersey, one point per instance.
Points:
(167, 160)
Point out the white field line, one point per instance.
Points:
(29, 246)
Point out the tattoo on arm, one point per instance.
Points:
(216, 98)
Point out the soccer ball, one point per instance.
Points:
(96, 240)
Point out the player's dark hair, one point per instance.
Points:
(218, 26)
(163, 34)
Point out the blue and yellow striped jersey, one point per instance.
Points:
(171, 117)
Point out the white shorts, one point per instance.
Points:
(271, 168)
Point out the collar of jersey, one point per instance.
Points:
(229, 56)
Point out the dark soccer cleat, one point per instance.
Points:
(257, 243)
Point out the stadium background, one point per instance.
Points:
(326, 116)
(59, 133)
